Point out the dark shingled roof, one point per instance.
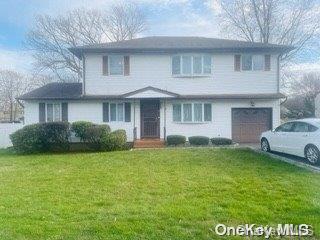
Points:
(73, 91)
(164, 44)
(55, 91)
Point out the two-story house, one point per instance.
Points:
(158, 86)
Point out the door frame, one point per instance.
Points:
(251, 108)
(142, 101)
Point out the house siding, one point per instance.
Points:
(155, 70)
(220, 126)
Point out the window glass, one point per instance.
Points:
(186, 65)
(300, 127)
(197, 64)
(57, 112)
(258, 62)
(176, 65)
(246, 62)
(197, 112)
(50, 112)
(312, 128)
(286, 127)
(113, 112)
(120, 112)
(187, 112)
(176, 111)
(207, 64)
(207, 112)
(116, 65)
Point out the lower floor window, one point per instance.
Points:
(192, 112)
(116, 112)
(53, 112)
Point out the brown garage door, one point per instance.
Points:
(249, 123)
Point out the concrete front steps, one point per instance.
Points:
(149, 143)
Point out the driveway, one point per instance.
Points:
(299, 161)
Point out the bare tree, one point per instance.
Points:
(305, 90)
(14, 84)
(288, 22)
(11, 85)
(51, 37)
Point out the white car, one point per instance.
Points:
(298, 137)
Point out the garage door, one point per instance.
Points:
(249, 123)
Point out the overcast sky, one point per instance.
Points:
(165, 17)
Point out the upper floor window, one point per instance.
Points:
(252, 62)
(115, 65)
(191, 65)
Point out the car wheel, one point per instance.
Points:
(312, 154)
(265, 145)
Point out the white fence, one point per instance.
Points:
(5, 130)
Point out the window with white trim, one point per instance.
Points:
(53, 112)
(116, 65)
(116, 112)
(192, 112)
(191, 65)
(252, 62)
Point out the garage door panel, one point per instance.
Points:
(248, 124)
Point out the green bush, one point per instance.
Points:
(28, 139)
(221, 141)
(199, 140)
(176, 140)
(94, 134)
(56, 136)
(41, 137)
(116, 140)
(80, 128)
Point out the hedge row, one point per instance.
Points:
(55, 136)
(175, 140)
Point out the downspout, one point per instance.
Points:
(165, 120)
(134, 121)
(83, 75)
(278, 72)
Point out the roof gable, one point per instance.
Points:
(150, 92)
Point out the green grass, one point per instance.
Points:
(151, 194)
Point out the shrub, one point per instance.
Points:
(116, 140)
(221, 141)
(199, 140)
(80, 128)
(176, 140)
(41, 137)
(94, 134)
(28, 139)
(55, 136)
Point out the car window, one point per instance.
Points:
(301, 127)
(312, 128)
(286, 127)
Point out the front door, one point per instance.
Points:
(150, 118)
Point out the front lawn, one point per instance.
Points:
(151, 194)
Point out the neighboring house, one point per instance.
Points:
(158, 86)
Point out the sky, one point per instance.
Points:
(164, 17)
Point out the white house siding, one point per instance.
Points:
(155, 70)
(5, 130)
(219, 127)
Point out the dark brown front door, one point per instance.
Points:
(150, 118)
(249, 123)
